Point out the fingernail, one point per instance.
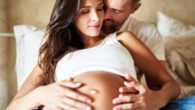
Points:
(114, 101)
(94, 91)
(78, 84)
(126, 83)
(120, 95)
(89, 101)
(115, 108)
(120, 90)
(88, 108)
(126, 74)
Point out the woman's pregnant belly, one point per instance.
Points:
(101, 86)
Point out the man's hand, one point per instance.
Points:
(61, 95)
(135, 96)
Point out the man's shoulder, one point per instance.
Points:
(137, 26)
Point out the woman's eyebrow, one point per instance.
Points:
(102, 3)
(85, 6)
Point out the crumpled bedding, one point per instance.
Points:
(180, 58)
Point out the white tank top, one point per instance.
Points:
(108, 56)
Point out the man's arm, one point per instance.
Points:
(164, 90)
(164, 87)
(150, 82)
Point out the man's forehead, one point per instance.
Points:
(117, 3)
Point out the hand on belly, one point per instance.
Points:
(101, 86)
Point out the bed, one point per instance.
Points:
(179, 41)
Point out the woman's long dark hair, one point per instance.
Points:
(61, 37)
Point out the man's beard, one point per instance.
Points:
(109, 28)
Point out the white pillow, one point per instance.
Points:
(28, 42)
(168, 26)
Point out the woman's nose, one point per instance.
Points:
(94, 16)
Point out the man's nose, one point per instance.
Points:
(107, 14)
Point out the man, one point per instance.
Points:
(117, 18)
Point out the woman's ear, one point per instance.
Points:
(135, 8)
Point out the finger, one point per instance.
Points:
(70, 84)
(136, 85)
(128, 77)
(45, 108)
(125, 90)
(77, 104)
(77, 96)
(128, 106)
(125, 99)
(130, 84)
(65, 106)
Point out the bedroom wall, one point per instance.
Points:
(183, 10)
(3, 56)
(37, 12)
(31, 12)
(16, 12)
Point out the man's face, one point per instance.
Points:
(116, 12)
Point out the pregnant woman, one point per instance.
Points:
(76, 48)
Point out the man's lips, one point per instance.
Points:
(107, 22)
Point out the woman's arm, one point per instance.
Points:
(34, 94)
(153, 70)
(26, 101)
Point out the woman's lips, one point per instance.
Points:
(95, 26)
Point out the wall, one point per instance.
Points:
(17, 12)
(3, 57)
(31, 12)
(37, 12)
(183, 10)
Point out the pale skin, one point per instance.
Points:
(61, 95)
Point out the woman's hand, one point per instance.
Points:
(61, 96)
(136, 96)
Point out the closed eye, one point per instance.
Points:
(85, 11)
(100, 8)
(116, 10)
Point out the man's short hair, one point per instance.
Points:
(134, 2)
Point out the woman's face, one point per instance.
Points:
(90, 18)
